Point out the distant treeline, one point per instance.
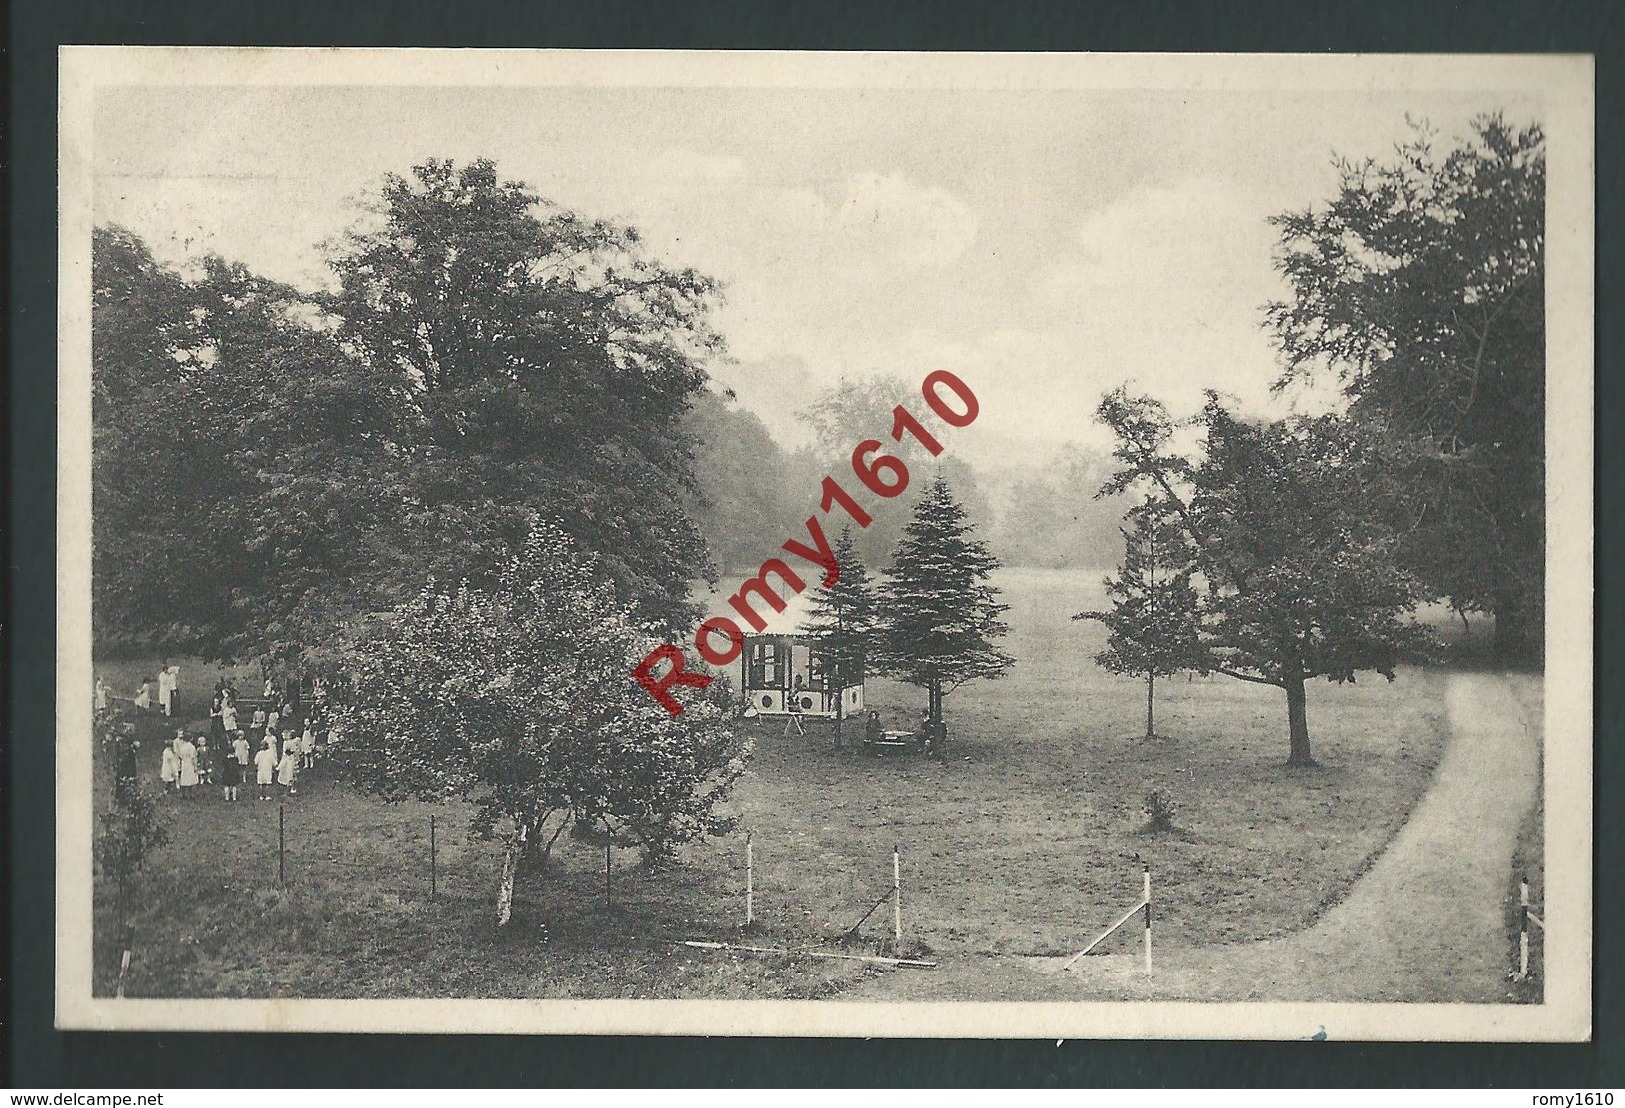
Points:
(750, 487)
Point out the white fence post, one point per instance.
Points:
(1148, 920)
(1523, 929)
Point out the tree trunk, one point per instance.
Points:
(1298, 719)
(510, 869)
(840, 710)
(1150, 699)
(939, 735)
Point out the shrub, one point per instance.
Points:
(1159, 812)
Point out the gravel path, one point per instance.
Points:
(1424, 923)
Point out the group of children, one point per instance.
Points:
(159, 690)
(279, 743)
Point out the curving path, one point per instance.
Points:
(1424, 923)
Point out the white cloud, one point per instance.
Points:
(1199, 235)
(877, 219)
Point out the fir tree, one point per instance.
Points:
(1154, 619)
(842, 620)
(939, 614)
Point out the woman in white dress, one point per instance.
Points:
(187, 753)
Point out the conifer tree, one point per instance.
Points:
(939, 613)
(842, 620)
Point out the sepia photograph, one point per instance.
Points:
(1050, 545)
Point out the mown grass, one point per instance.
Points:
(1027, 839)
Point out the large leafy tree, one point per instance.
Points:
(1155, 619)
(270, 465)
(1420, 288)
(842, 620)
(143, 454)
(547, 362)
(241, 465)
(940, 615)
(1300, 570)
(517, 698)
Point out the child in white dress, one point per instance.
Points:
(307, 747)
(287, 768)
(239, 755)
(169, 769)
(265, 769)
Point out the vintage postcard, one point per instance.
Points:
(825, 544)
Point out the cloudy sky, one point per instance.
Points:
(1045, 244)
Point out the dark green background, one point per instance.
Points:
(35, 1055)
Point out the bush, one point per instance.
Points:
(1159, 812)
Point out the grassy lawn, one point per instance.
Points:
(1025, 841)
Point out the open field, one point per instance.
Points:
(1024, 842)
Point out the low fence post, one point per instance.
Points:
(1523, 929)
(750, 880)
(281, 846)
(432, 860)
(1148, 919)
(897, 894)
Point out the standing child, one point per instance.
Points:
(265, 769)
(228, 716)
(239, 754)
(166, 690)
(231, 771)
(101, 694)
(307, 747)
(187, 753)
(169, 769)
(143, 695)
(205, 759)
(287, 768)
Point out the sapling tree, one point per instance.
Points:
(1300, 571)
(842, 620)
(940, 615)
(518, 698)
(1154, 620)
